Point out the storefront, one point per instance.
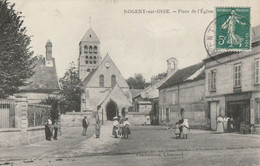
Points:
(238, 108)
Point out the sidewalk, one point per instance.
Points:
(70, 137)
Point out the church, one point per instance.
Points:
(106, 92)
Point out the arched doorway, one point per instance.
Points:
(111, 110)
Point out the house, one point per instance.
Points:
(182, 96)
(146, 103)
(106, 92)
(233, 85)
(44, 83)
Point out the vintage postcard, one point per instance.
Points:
(124, 83)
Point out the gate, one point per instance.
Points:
(7, 113)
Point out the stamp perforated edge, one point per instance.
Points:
(251, 29)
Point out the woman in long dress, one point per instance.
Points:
(115, 127)
(220, 126)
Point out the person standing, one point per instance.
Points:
(115, 127)
(56, 126)
(97, 127)
(220, 126)
(85, 125)
(185, 128)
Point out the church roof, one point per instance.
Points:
(184, 75)
(90, 36)
(45, 78)
(88, 78)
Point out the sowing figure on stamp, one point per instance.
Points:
(230, 25)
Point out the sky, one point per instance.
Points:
(136, 42)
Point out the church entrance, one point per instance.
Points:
(111, 110)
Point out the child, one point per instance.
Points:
(177, 131)
(126, 128)
(120, 129)
(185, 128)
(97, 127)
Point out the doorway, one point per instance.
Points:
(214, 112)
(240, 112)
(111, 110)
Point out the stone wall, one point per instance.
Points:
(74, 119)
(136, 118)
(17, 137)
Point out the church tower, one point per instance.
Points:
(89, 54)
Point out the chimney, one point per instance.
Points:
(172, 66)
(48, 47)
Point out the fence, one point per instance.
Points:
(7, 114)
(37, 115)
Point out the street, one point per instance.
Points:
(147, 145)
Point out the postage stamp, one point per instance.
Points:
(233, 29)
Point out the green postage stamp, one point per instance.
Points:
(233, 29)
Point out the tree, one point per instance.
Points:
(158, 77)
(16, 62)
(55, 104)
(71, 90)
(137, 82)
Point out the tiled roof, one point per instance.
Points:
(135, 92)
(90, 36)
(88, 78)
(45, 78)
(181, 75)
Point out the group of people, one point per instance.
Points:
(121, 128)
(51, 129)
(225, 124)
(181, 128)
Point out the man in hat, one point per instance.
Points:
(85, 125)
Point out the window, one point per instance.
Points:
(101, 80)
(173, 98)
(113, 80)
(90, 49)
(164, 96)
(167, 114)
(95, 57)
(237, 75)
(85, 49)
(86, 62)
(94, 62)
(90, 57)
(86, 57)
(257, 71)
(212, 80)
(95, 49)
(90, 62)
